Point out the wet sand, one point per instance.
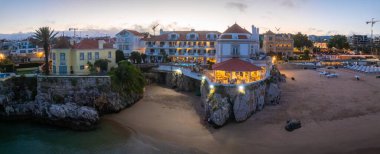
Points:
(339, 115)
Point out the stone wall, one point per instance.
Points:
(92, 91)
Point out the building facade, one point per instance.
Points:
(279, 44)
(129, 41)
(182, 46)
(238, 42)
(359, 41)
(74, 60)
(237, 57)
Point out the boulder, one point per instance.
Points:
(66, 115)
(220, 110)
(273, 94)
(244, 106)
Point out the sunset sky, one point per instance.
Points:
(320, 17)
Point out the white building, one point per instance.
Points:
(182, 46)
(129, 41)
(238, 42)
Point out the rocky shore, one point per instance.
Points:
(225, 102)
(73, 102)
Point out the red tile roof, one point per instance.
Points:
(182, 36)
(91, 44)
(235, 28)
(236, 65)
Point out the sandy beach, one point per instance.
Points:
(339, 115)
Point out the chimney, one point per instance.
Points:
(255, 33)
(101, 44)
(161, 31)
(192, 30)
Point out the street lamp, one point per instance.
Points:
(2, 56)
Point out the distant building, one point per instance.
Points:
(315, 38)
(182, 46)
(129, 41)
(359, 41)
(22, 47)
(73, 60)
(376, 41)
(278, 44)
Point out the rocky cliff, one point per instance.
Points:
(74, 102)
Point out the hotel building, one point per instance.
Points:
(182, 46)
(278, 44)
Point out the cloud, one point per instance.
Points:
(313, 30)
(242, 7)
(288, 3)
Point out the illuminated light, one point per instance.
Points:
(178, 71)
(203, 77)
(241, 88)
(273, 60)
(2, 56)
(211, 86)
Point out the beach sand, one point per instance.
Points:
(338, 115)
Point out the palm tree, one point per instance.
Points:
(44, 36)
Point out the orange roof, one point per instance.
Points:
(182, 36)
(235, 28)
(91, 44)
(236, 65)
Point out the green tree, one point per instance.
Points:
(339, 42)
(44, 36)
(91, 68)
(135, 57)
(102, 64)
(306, 54)
(119, 56)
(127, 78)
(301, 41)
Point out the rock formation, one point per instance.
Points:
(74, 102)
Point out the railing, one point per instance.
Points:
(208, 75)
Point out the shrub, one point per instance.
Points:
(127, 78)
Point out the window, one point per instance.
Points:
(235, 50)
(109, 54)
(81, 56)
(62, 56)
(53, 56)
(96, 55)
(89, 56)
(173, 37)
(270, 38)
(81, 67)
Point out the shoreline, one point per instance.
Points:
(167, 116)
